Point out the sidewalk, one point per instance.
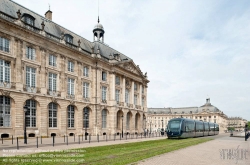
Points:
(9, 149)
(222, 151)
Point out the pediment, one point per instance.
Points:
(130, 66)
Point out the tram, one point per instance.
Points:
(188, 128)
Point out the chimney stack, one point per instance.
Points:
(48, 15)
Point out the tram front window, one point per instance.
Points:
(174, 125)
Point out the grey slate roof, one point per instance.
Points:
(10, 8)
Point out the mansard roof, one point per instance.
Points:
(10, 8)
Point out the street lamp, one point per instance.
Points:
(85, 115)
(25, 108)
(122, 126)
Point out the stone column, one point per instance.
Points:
(123, 90)
(132, 93)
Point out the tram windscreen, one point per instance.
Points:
(174, 125)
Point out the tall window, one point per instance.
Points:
(30, 77)
(86, 71)
(104, 118)
(29, 20)
(30, 53)
(70, 66)
(71, 86)
(52, 82)
(104, 76)
(52, 60)
(128, 120)
(71, 116)
(135, 99)
(30, 115)
(136, 121)
(135, 86)
(86, 117)
(4, 71)
(85, 90)
(52, 115)
(5, 118)
(117, 80)
(117, 95)
(126, 96)
(4, 44)
(104, 93)
(142, 89)
(142, 102)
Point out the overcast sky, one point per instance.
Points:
(191, 49)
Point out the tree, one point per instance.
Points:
(248, 123)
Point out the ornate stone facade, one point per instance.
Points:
(68, 83)
(158, 117)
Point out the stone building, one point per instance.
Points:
(237, 123)
(158, 118)
(67, 83)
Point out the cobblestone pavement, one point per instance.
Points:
(220, 151)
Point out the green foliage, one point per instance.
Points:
(112, 154)
(248, 123)
(231, 128)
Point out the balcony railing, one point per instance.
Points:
(30, 89)
(104, 101)
(54, 93)
(8, 85)
(70, 96)
(137, 106)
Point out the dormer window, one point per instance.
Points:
(68, 38)
(28, 19)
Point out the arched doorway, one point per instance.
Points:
(119, 119)
(137, 119)
(128, 120)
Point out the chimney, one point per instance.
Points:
(48, 15)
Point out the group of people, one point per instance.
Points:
(247, 135)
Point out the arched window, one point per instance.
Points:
(68, 38)
(128, 120)
(52, 115)
(5, 111)
(104, 118)
(71, 116)
(86, 117)
(30, 115)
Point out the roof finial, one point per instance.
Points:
(98, 19)
(98, 12)
(49, 6)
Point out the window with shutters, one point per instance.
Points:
(4, 71)
(5, 115)
(71, 116)
(30, 53)
(52, 115)
(71, 86)
(52, 82)
(85, 90)
(52, 60)
(30, 77)
(70, 66)
(86, 71)
(4, 44)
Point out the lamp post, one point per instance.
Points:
(85, 115)
(122, 126)
(144, 126)
(162, 127)
(150, 126)
(25, 108)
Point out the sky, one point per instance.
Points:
(191, 50)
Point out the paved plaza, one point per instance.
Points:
(223, 150)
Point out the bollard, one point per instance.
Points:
(141, 135)
(41, 140)
(120, 136)
(12, 139)
(2, 140)
(106, 138)
(74, 137)
(64, 138)
(53, 137)
(79, 138)
(98, 138)
(82, 137)
(67, 139)
(89, 138)
(17, 147)
(126, 136)
(114, 137)
(37, 142)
